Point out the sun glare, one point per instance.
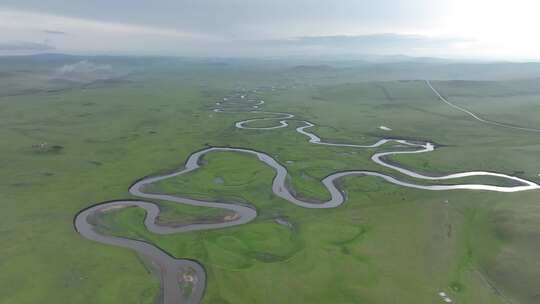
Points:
(505, 28)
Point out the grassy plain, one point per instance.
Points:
(387, 244)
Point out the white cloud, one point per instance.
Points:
(477, 28)
(84, 71)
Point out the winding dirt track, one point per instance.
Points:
(476, 116)
(177, 275)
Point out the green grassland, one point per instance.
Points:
(386, 244)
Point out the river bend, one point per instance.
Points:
(177, 274)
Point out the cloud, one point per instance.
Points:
(386, 39)
(24, 47)
(242, 19)
(85, 67)
(84, 71)
(244, 28)
(16, 19)
(92, 36)
(382, 44)
(374, 43)
(52, 32)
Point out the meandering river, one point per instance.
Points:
(178, 275)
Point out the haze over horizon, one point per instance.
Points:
(441, 28)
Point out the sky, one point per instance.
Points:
(472, 29)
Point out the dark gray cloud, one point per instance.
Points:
(387, 44)
(375, 40)
(25, 47)
(377, 43)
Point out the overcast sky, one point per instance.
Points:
(491, 29)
